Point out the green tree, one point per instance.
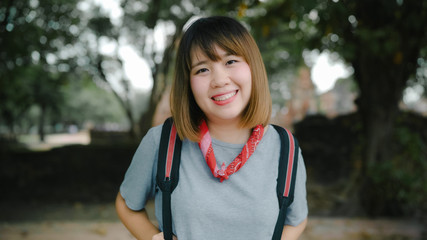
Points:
(85, 102)
(140, 23)
(385, 43)
(100, 64)
(35, 37)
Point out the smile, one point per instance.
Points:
(225, 96)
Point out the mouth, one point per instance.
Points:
(224, 97)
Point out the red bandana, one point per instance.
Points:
(223, 173)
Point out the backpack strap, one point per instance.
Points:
(288, 164)
(168, 174)
(168, 171)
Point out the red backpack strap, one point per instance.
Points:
(288, 163)
(168, 171)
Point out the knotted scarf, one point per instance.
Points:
(224, 172)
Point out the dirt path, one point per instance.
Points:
(100, 222)
(318, 228)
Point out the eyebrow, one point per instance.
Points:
(198, 64)
(205, 61)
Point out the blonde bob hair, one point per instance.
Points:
(234, 38)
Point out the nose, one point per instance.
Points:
(220, 77)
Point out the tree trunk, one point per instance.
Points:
(159, 86)
(124, 103)
(42, 118)
(386, 46)
(378, 105)
(381, 82)
(160, 80)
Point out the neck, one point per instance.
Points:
(229, 133)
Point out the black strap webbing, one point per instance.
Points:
(288, 164)
(168, 171)
(168, 174)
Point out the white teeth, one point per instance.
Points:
(224, 97)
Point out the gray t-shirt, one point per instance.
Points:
(243, 207)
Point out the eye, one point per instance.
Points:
(202, 70)
(231, 62)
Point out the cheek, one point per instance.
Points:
(193, 85)
(247, 79)
(196, 87)
(246, 85)
(245, 72)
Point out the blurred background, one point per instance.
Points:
(81, 82)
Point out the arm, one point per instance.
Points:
(293, 233)
(136, 222)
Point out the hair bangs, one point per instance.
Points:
(208, 34)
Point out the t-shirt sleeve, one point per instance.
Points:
(139, 182)
(298, 210)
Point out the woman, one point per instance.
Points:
(221, 108)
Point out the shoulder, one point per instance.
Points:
(154, 133)
(279, 137)
(284, 133)
(151, 140)
(274, 132)
(279, 129)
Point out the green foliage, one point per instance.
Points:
(410, 166)
(102, 26)
(401, 183)
(383, 39)
(34, 36)
(85, 102)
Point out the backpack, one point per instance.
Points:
(168, 174)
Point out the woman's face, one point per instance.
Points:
(221, 88)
